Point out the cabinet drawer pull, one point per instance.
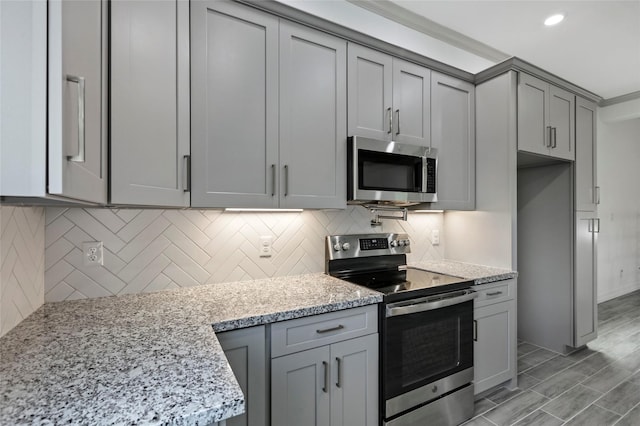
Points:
(475, 330)
(327, 330)
(325, 386)
(338, 363)
(286, 180)
(273, 180)
(187, 173)
(390, 120)
(494, 293)
(81, 139)
(554, 132)
(397, 122)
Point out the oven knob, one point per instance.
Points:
(346, 246)
(394, 243)
(336, 246)
(407, 242)
(400, 243)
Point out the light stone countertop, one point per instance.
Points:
(480, 274)
(148, 358)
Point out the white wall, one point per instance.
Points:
(21, 264)
(150, 250)
(619, 210)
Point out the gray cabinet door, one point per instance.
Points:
(533, 101)
(411, 103)
(370, 104)
(245, 350)
(149, 102)
(493, 359)
(234, 106)
(562, 121)
(300, 389)
(585, 282)
(77, 49)
(354, 382)
(313, 128)
(453, 135)
(586, 189)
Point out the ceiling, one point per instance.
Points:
(596, 47)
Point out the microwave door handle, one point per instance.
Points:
(394, 311)
(425, 172)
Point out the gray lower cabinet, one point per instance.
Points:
(453, 135)
(324, 369)
(331, 385)
(258, 139)
(546, 119)
(587, 192)
(149, 103)
(585, 297)
(389, 98)
(245, 350)
(495, 341)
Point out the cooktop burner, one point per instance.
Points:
(418, 279)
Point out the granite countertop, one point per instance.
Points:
(148, 358)
(480, 274)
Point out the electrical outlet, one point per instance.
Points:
(435, 237)
(92, 253)
(265, 246)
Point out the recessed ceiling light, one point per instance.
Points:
(554, 19)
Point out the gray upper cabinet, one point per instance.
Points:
(389, 98)
(546, 119)
(149, 103)
(587, 191)
(234, 98)
(313, 118)
(54, 80)
(77, 100)
(453, 135)
(268, 111)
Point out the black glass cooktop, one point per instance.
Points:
(418, 279)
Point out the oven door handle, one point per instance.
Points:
(395, 310)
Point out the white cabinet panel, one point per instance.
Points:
(587, 191)
(585, 281)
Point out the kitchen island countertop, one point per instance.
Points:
(149, 358)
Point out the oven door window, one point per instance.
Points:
(427, 346)
(382, 171)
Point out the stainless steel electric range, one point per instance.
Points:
(426, 329)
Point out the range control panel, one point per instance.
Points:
(364, 245)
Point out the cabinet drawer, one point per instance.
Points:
(310, 332)
(489, 294)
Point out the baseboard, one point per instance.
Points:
(618, 292)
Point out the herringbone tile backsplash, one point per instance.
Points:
(150, 250)
(21, 264)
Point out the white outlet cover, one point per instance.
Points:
(435, 237)
(92, 253)
(265, 245)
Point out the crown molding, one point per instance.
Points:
(620, 99)
(431, 28)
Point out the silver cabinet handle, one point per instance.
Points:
(548, 142)
(286, 180)
(338, 364)
(187, 173)
(390, 120)
(273, 180)
(81, 137)
(597, 197)
(397, 122)
(325, 387)
(596, 227)
(555, 136)
(475, 330)
(397, 309)
(494, 293)
(328, 330)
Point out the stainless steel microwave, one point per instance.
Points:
(390, 172)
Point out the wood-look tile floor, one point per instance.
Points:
(598, 385)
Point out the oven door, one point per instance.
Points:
(428, 349)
